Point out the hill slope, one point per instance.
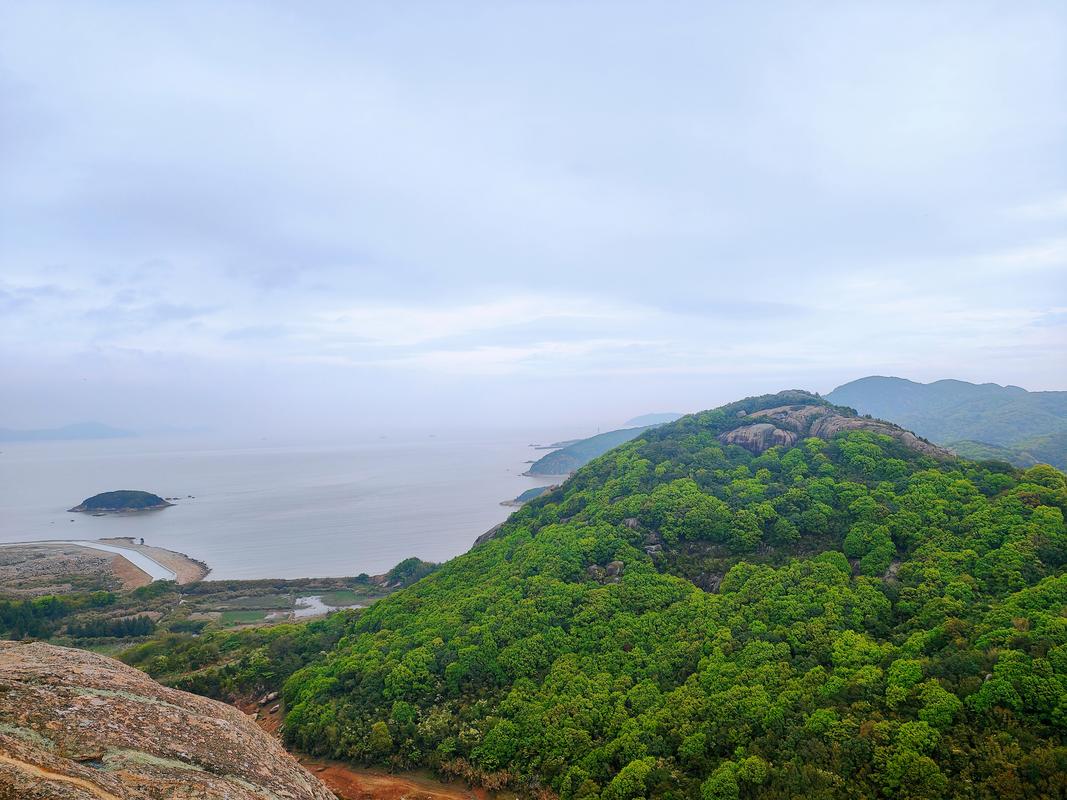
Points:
(721, 610)
(578, 454)
(978, 420)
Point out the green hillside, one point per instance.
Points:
(851, 615)
(578, 454)
(974, 419)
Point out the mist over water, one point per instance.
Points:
(270, 510)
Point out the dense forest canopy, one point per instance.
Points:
(685, 618)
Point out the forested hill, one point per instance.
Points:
(977, 420)
(773, 599)
(578, 454)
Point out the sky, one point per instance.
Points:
(348, 216)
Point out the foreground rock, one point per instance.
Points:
(77, 725)
(122, 501)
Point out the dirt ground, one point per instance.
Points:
(360, 784)
(130, 575)
(351, 783)
(187, 569)
(32, 569)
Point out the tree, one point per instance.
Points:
(379, 740)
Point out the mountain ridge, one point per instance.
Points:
(976, 420)
(73, 432)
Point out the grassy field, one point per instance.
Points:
(344, 597)
(265, 601)
(241, 617)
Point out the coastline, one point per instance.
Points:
(110, 512)
(187, 569)
(133, 565)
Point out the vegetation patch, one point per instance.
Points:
(342, 598)
(30, 736)
(241, 617)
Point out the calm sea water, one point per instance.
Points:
(273, 511)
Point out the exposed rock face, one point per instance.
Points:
(759, 437)
(788, 424)
(79, 726)
(489, 534)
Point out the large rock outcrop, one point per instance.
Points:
(785, 425)
(75, 725)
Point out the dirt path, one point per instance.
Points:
(57, 777)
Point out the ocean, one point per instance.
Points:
(276, 511)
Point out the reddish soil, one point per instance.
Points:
(131, 576)
(362, 784)
(187, 569)
(351, 783)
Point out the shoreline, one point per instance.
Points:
(115, 512)
(132, 564)
(186, 568)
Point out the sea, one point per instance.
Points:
(270, 510)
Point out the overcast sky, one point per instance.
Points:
(352, 215)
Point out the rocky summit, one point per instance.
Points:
(76, 725)
(786, 425)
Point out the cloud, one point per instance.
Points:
(714, 200)
(1052, 208)
(413, 325)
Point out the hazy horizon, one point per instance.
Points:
(346, 218)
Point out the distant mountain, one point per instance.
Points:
(528, 495)
(79, 430)
(645, 420)
(977, 420)
(574, 456)
(577, 453)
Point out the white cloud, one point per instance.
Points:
(1051, 208)
(406, 325)
(398, 197)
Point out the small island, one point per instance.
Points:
(121, 502)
